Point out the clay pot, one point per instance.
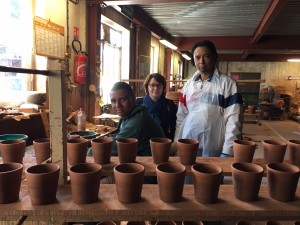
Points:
(294, 152)
(187, 151)
(282, 181)
(160, 149)
(170, 176)
(192, 223)
(246, 178)
(137, 223)
(85, 182)
(273, 223)
(274, 150)
(13, 150)
(102, 148)
(10, 182)
(129, 178)
(245, 223)
(77, 150)
(42, 183)
(127, 149)
(251, 109)
(207, 179)
(165, 223)
(243, 150)
(42, 149)
(106, 223)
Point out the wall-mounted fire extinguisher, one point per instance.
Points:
(80, 64)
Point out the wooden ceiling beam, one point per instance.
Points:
(258, 57)
(242, 42)
(136, 2)
(268, 18)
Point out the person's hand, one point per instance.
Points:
(223, 155)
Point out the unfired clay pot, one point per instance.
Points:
(106, 223)
(294, 152)
(251, 109)
(274, 150)
(42, 183)
(41, 149)
(246, 178)
(165, 223)
(187, 151)
(137, 223)
(207, 179)
(10, 182)
(77, 150)
(282, 181)
(13, 150)
(170, 176)
(245, 223)
(243, 150)
(129, 178)
(160, 149)
(85, 182)
(273, 223)
(102, 148)
(127, 149)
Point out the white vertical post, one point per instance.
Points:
(57, 121)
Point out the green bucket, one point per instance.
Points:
(5, 137)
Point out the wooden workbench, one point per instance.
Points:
(151, 208)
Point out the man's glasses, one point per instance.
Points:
(158, 86)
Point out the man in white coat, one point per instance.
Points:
(210, 106)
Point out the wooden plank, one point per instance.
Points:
(152, 208)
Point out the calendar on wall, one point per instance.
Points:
(49, 38)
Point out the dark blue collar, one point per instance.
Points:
(208, 79)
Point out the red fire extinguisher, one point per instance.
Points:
(80, 64)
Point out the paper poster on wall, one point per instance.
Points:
(49, 38)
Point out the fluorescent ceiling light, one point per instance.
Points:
(292, 78)
(293, 60)
(186, 56)
(168, 44)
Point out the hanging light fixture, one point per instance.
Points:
(168, 44)
(293, 60)
(184, 55)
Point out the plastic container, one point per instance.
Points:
(81, 120)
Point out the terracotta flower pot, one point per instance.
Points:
(274, 150)
(187, 151)
(192, 223)
(42, 183)
(170, 176)
(160, 149)
(282, 181)
(10, 182)
(294, 152)
(13, 150)
(127, 149)
(106, 223)
(85, 182)
(42, 149)
(129, 178)
(165, 223)
(102, 148)
(246, 178)
(77, 150)
(137, 223)
(273, 223)
(251, 109)
(207, 179)
(243, 150)
(245, 223)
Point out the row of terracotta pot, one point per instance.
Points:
(191, 223)
(273, 150)
(85, 178)
(14, 150)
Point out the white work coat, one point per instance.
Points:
(209, 111)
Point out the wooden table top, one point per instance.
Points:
(152, 208)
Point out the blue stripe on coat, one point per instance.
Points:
(231, 100)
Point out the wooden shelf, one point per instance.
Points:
(152, 208)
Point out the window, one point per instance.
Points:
(114, 56)
(15, 31)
